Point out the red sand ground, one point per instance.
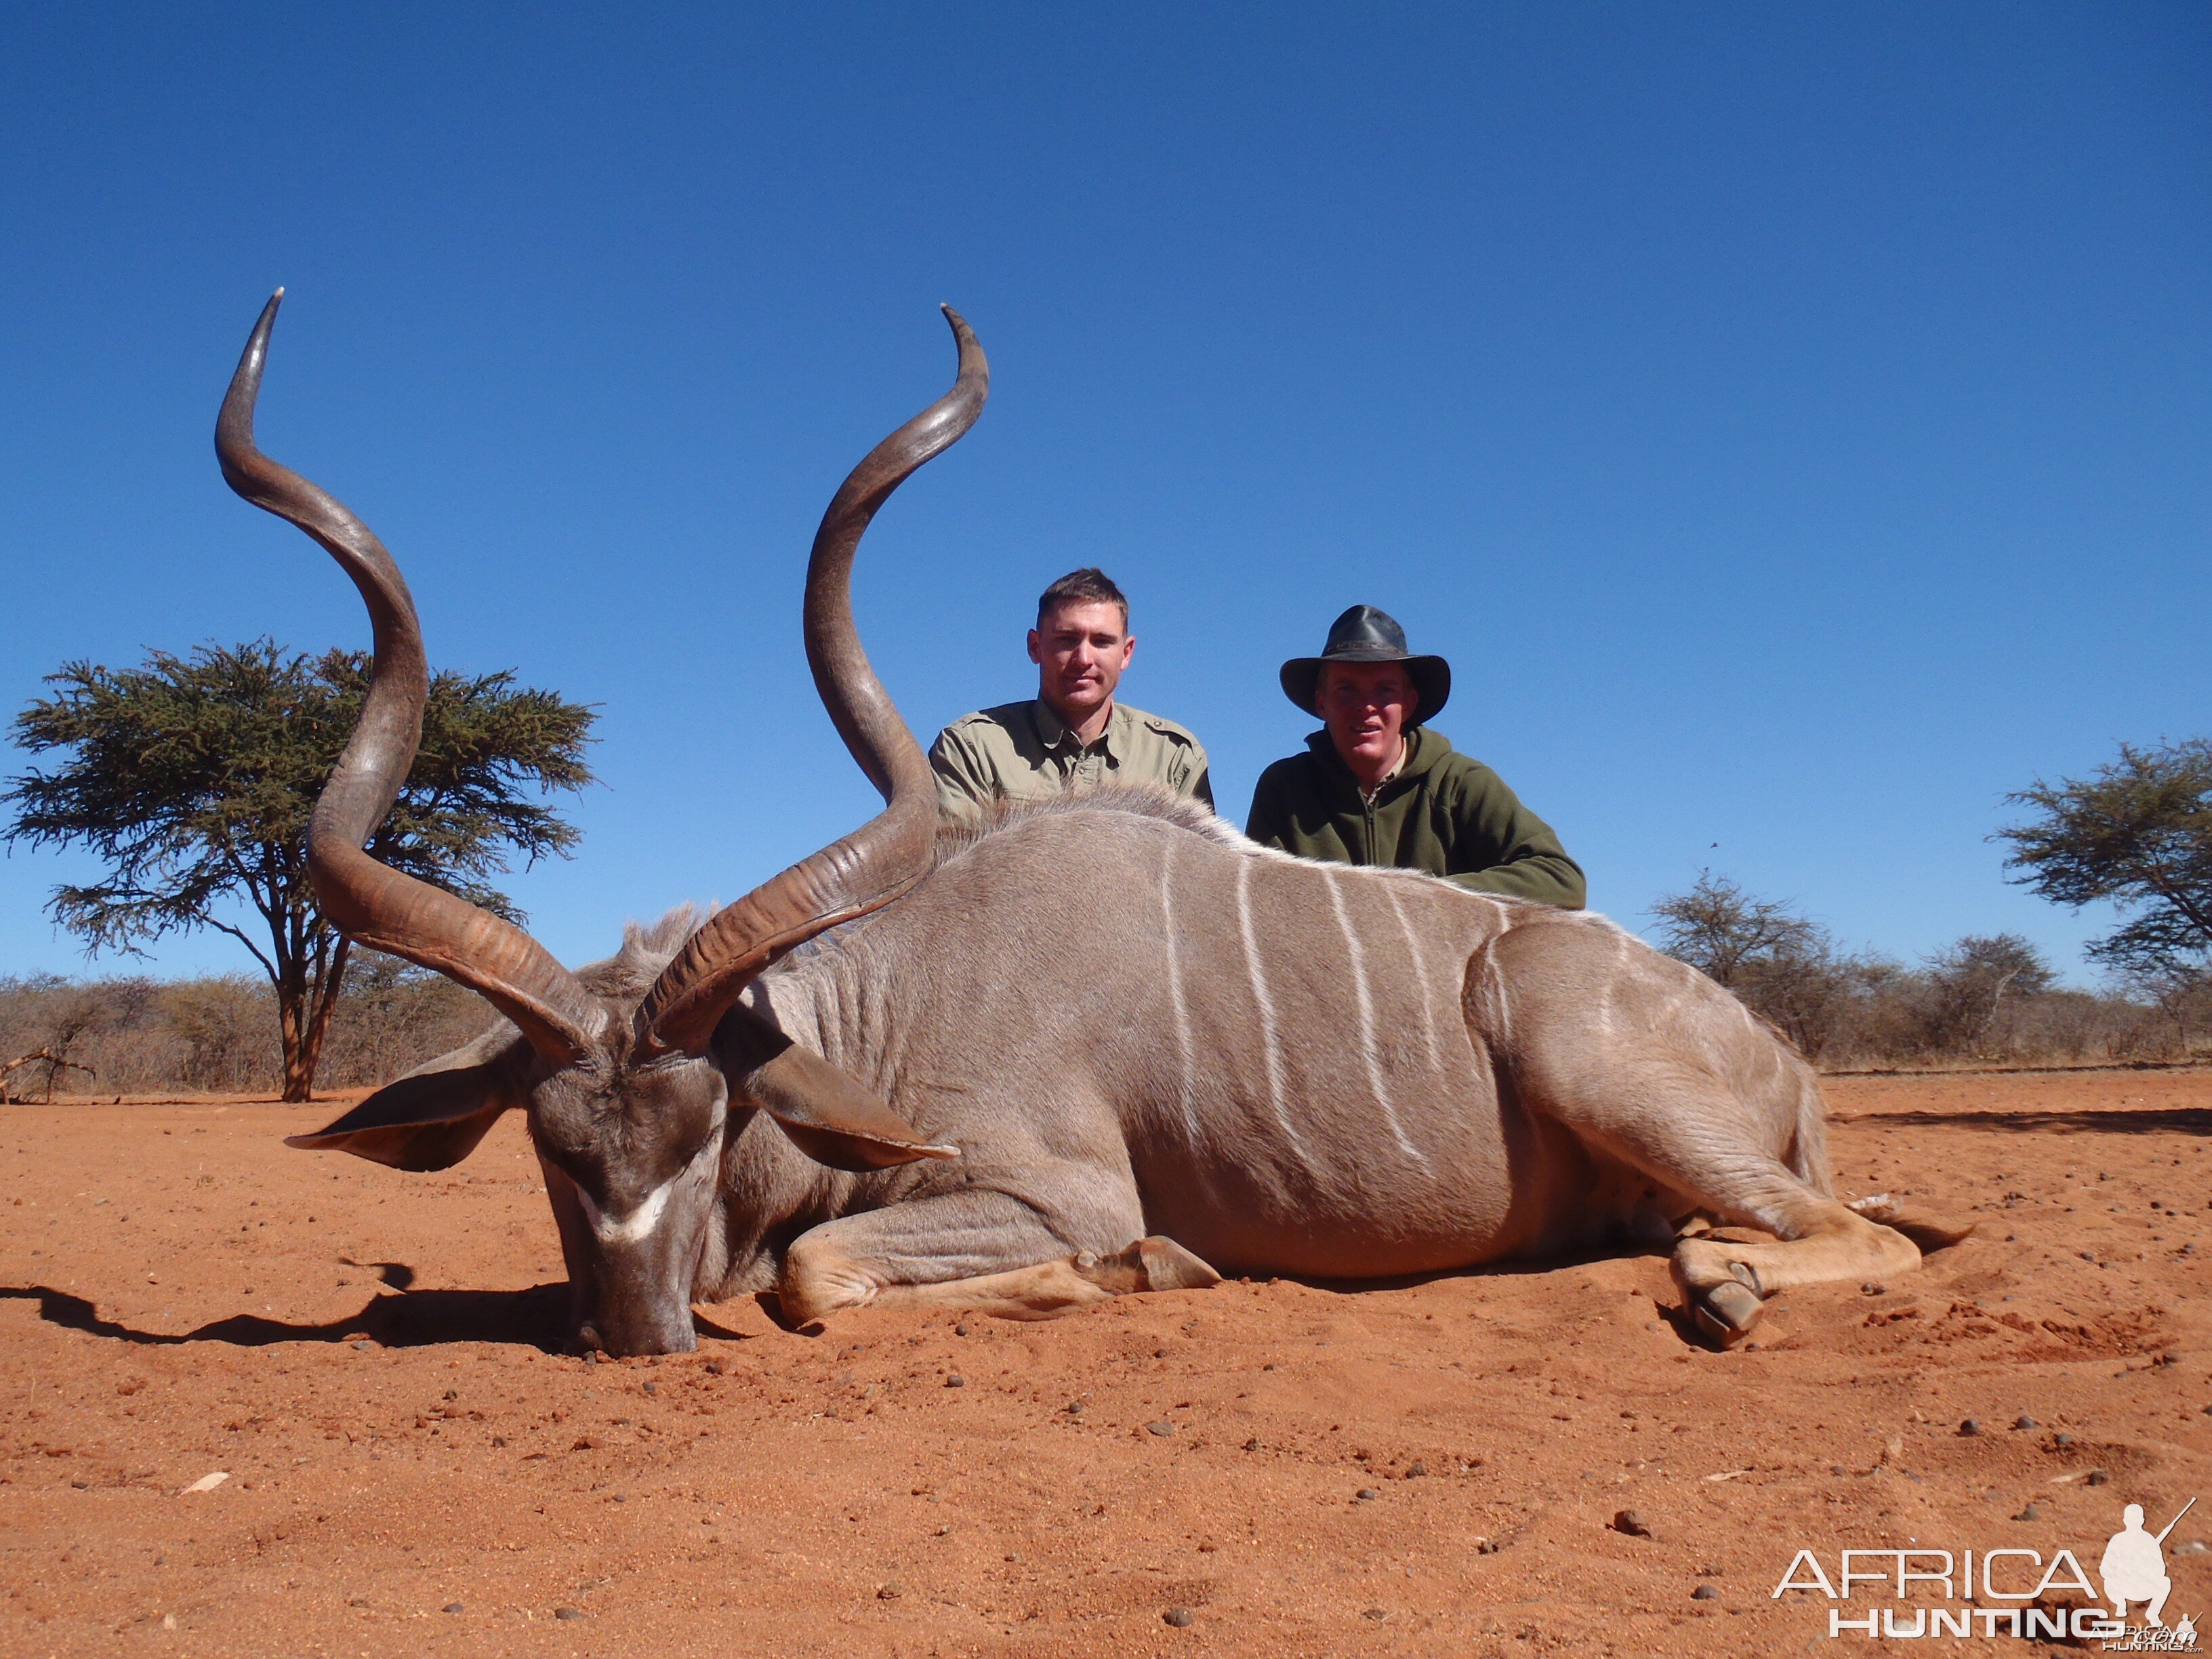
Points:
(362, 1352)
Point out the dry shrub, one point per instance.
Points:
(392, 1018)
(1981, 1000)
(221, 1031)
(218, 1034)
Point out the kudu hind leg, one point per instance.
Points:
(1702, 1144)
(1724, 1282)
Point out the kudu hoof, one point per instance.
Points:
(1168, 1266)
(1726, 1312)
(1150, 1264)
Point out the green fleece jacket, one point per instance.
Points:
(1446, 813)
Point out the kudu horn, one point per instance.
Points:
(368, 902)
(886, 856)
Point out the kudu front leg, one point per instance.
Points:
(980, 1252)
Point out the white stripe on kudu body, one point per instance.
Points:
(1270, 1039)
(1171, 932)
(1366, 1002)
(1425, 994)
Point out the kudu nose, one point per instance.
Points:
(637, 1344)
(629, 1334)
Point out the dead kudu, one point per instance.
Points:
(1085, 1050)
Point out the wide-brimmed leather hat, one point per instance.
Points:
(1363, 633)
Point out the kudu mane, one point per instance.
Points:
(1157, 803)
(647, 948)
(1135, 800)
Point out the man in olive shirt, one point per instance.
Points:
(1377, 786)
(1074, 734)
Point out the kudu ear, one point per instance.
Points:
(432, 1117)
(824, 1110)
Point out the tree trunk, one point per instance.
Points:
(291, 1013)
(326, 1000)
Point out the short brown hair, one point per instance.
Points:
(1089, 585)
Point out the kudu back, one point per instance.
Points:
(1097, 1045)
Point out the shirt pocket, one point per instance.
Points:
(1028, 785)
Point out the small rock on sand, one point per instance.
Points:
(2023, 1422)
(1970, 1427)
(1179, 1617)
(1163, 1429)
(2031, 1513)
(1367, 1494)
(955, 1381)
(1704, 1593)
(1629, 1521)
(568, 1613)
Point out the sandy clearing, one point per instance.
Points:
(364, 1353)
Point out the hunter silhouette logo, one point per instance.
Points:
(2134, 1567)
(2008, 1591)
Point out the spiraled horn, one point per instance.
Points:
(886, 856)
(370, 903)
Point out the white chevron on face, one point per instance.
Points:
(638, 1225)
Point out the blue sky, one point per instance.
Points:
(1793, 423)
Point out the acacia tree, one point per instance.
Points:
(1969, 980)
(1781, 965)
(193, 779)
(1728, 935)
(2138, 836)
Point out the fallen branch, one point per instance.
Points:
(55, 1064)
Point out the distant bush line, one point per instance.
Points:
(219, 1035)
(1979, 1001)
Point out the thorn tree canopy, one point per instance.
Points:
(2138, 836)
(1727, 935)
(193, 779)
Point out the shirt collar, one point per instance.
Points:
(1397, 766)
(1053, 732)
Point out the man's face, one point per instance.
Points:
(1080, 651)
(1365, 706)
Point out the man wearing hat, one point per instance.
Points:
(1377, 785)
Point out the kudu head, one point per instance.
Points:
(632, 1089)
